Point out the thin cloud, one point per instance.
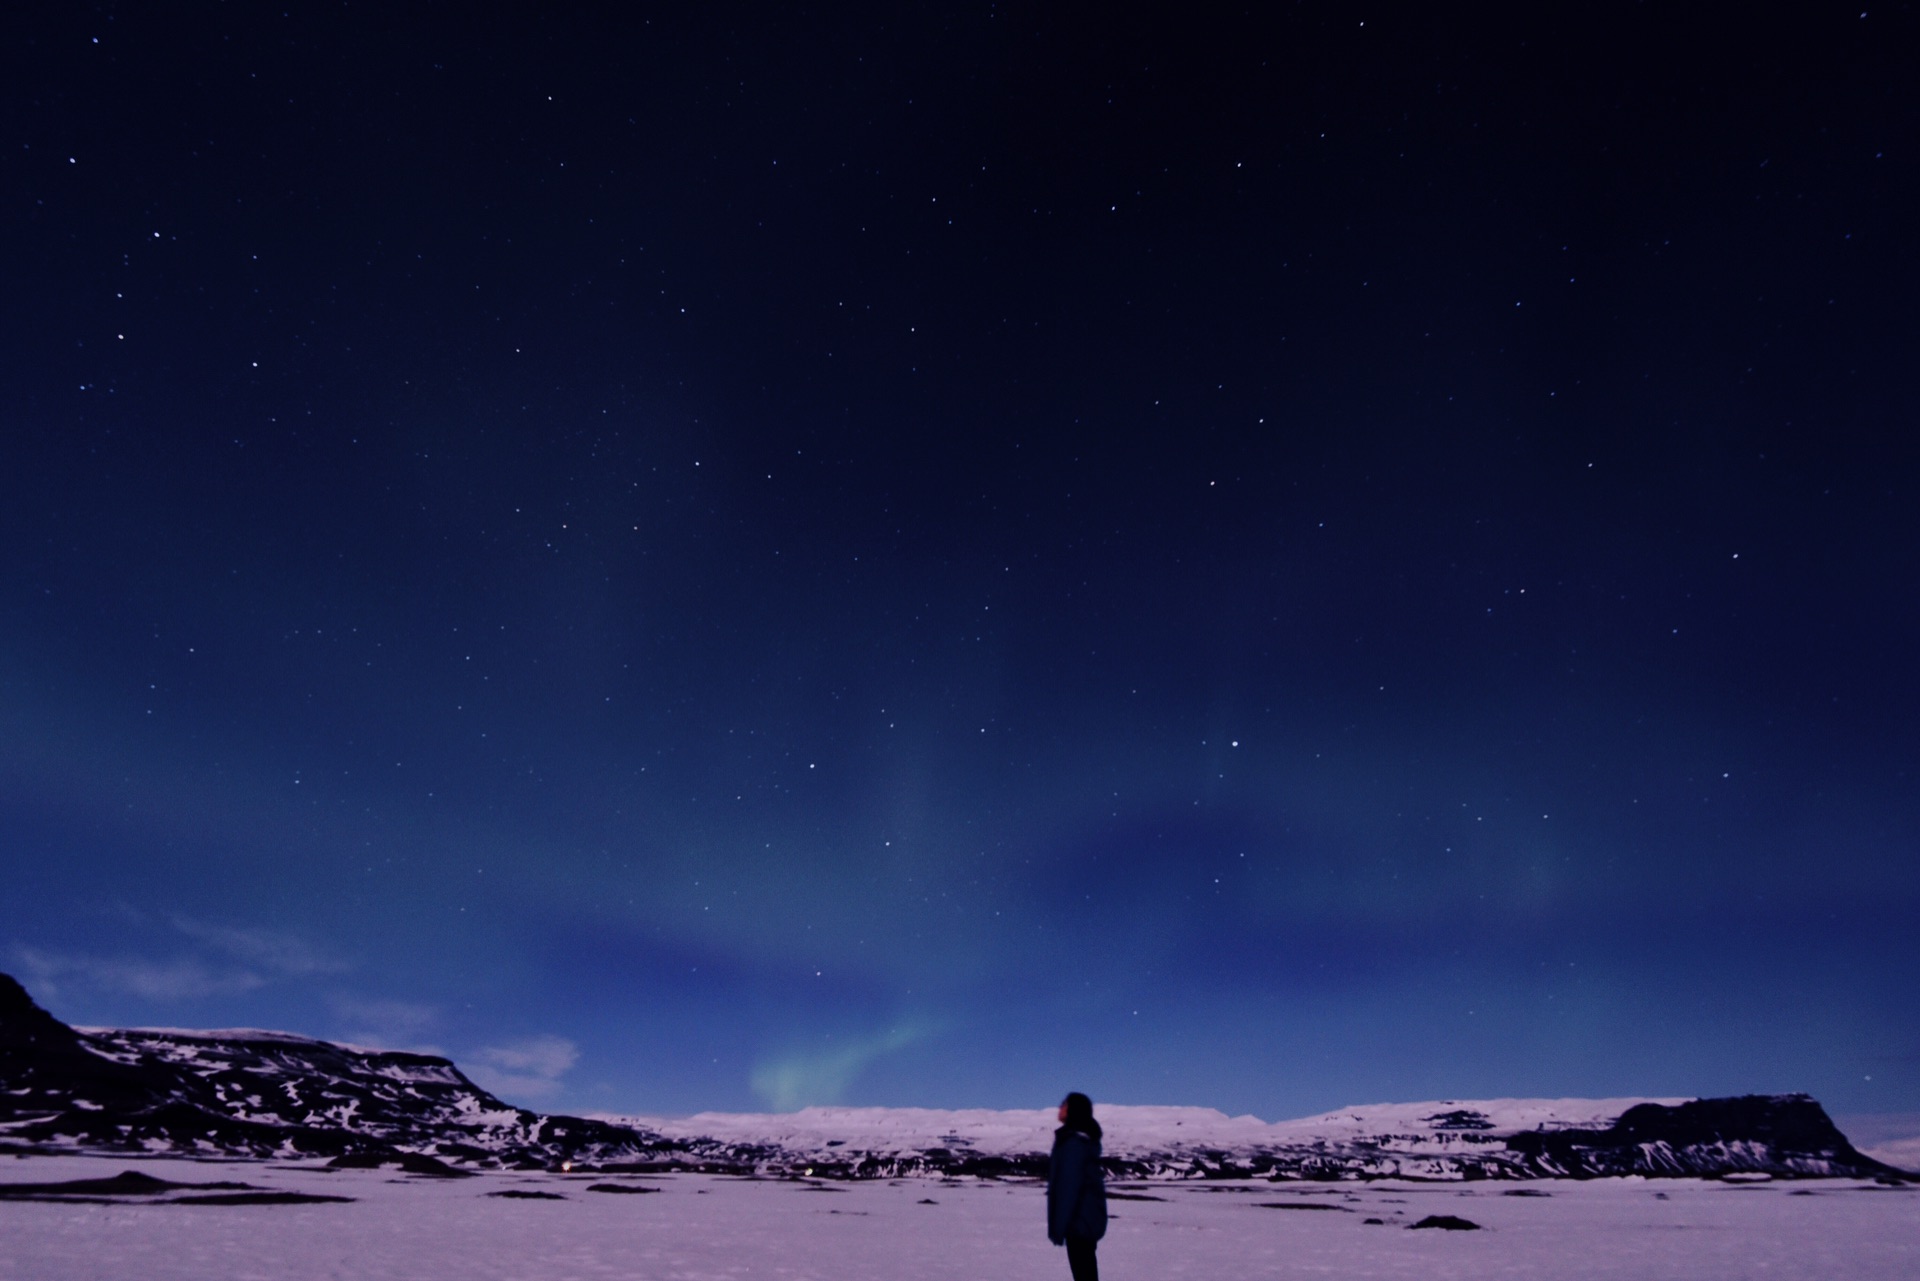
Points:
(387, 1024)
(279, 951)
(170, 980)
(529, 1069)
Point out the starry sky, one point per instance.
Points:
(733, 556)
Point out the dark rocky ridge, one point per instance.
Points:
(268, 1094)
(1783, 1136)
(257, 1095)
(1759, 1134)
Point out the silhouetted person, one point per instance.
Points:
(1076, 1189)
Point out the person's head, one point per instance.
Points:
(1076, 1111)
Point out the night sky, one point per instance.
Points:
(733, 558)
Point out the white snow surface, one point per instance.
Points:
(1131, 1130)
(709, 1228)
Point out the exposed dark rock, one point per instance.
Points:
(1763, 1134)
(117, 1189)
(257, 1198)
(406, 1162)
(1449, 1222)
(125, 1183)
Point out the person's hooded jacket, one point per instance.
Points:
(1076, 1188)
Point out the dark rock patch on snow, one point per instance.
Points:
(405, 1162)
(125, 1183)
(257, 1198)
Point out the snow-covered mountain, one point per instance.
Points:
(259, 1094)
(268, 1094)
(1784, 1135)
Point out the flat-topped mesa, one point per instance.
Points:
(1788, 1134)
(204, 1052)
(250, 1093)
(245, 1092)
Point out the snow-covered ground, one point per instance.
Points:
(697, 1227)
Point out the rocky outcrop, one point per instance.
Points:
(1782, 1136)
(259, 1094)
(1788, 1134)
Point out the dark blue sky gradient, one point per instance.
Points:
(720, 558)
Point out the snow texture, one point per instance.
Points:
(701, 1227)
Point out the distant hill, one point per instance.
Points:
(262, 1094)
(269, 1094)
(1785, 1136)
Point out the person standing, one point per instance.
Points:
(1076, 1187)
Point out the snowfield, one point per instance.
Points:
(689, 1227)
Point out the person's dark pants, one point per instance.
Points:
(1080, 1259)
